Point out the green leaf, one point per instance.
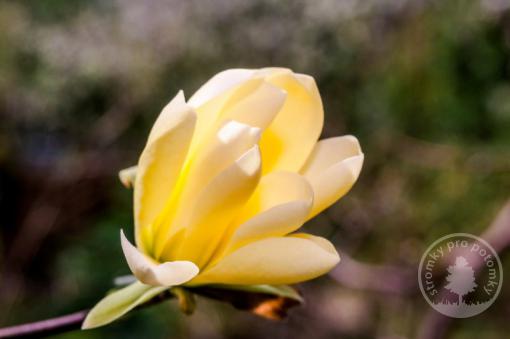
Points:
(120, 302)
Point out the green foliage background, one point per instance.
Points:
(424, 85)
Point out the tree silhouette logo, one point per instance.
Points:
(461, 278)
(460, 275)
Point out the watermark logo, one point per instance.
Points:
(460, 275)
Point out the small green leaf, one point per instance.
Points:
(120, 302)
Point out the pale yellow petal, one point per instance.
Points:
(281, 260)
(215, 208)
(257, 108)
(127, 176)
(230, 142)
(168, 116)
(279, 206)
(220, 83)
(147, 271)
(210, 114)
(332, 169)
(309, 82)
(268, 71)
(228, 145)
(289, 139)
(159, 166)
(319, 241)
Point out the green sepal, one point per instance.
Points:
(284, 291)
(185, 298)
(268, 301)
(120, 302)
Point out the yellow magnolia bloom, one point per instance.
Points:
(227, 177)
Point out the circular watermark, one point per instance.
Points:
(460, 275)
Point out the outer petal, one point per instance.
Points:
(127, 176)
(282, 260)
(290, 138)
(160, 164)
(215, 208)
(279, 206)
(309, 82)
(150, 273)
(210, 114)
(220, 83)
(332, 169)
(254, 102)
(258, 107)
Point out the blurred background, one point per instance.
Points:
(424, 85)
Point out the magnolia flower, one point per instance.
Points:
(228, 177)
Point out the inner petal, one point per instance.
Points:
(279, 206)
(230, 142)
(206, 221)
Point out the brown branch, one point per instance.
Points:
(402, 282)
(65, 323)
(46, 327)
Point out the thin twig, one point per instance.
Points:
(61, 324)
(46, 327)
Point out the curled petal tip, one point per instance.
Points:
(127, 176)
(149, 272)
